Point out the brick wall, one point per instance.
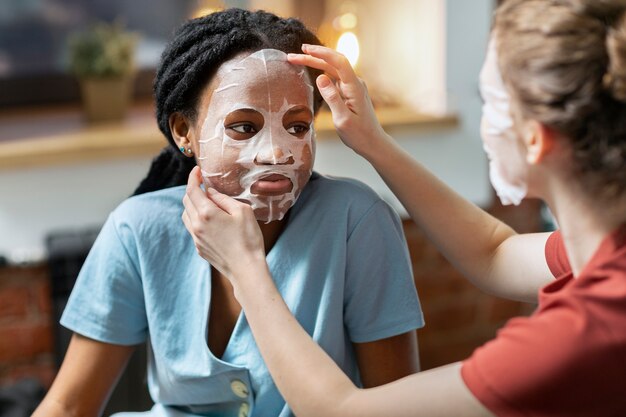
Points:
(459, 317)
(26, 328)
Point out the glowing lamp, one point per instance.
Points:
(348, 45)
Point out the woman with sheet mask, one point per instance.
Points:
(554, 127)
(228, 100)
(259, 121)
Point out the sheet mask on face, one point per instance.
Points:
(497, 132)
(257, 141)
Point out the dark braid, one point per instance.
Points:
(193, 56)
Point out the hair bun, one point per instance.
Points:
(614, 80)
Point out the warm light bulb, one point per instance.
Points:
(348, 45)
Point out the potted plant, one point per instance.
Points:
(102, 58)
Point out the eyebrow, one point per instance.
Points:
(299, 109)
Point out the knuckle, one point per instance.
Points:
(248, 212)
(244, 212)
(196, 229)
(204, 214)
(342, 122)
(239, 211)
(332, 95)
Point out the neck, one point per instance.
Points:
(271, 231)
(584, 223)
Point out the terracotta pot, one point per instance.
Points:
(106, 99)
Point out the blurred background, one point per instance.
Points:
(34, 43)
(62, 170)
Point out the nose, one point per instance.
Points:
(274, 155)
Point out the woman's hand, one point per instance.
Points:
(347, 97)
(224, 230)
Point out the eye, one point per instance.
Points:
(243, 124)
(298, 129)
(298, 120)
(243, 128)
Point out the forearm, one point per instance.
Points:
(313, 385)
(306, 376)
(467, 236)
(53, 407)
(50, 407)
(87, 376)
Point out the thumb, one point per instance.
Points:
(331, 95)
(226, 203)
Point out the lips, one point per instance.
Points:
(272, 185)
(273, 177)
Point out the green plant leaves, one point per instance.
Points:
(105, 50)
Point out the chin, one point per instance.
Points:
(270, 214)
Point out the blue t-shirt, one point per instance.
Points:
(341, 264)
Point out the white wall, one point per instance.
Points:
(34, 202)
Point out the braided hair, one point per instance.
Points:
(190, 60)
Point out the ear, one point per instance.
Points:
(539, 140)
(182, 132)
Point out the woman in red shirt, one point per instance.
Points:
(554, 127)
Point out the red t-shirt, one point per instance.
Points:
(569, 357)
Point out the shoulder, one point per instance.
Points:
(346, 201)
(146, 205)
(154, 211)
(342, 191)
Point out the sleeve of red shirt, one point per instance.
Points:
(556, 257)
(527, 369)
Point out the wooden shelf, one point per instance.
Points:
(58, 136)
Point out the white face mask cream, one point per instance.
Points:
(257, 140)
(499, 138)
